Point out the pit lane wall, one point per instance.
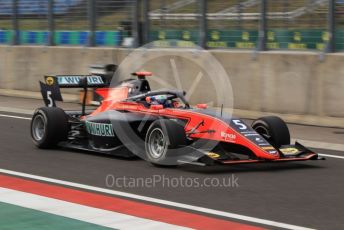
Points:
(294, 83)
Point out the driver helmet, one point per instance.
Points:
(158, 100)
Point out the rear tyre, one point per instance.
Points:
(49, 125)
(163, 136)
(273, 129)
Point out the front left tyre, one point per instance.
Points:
(49, 126)
(162, 139)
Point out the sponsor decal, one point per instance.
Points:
(251, 134)
(268, 148)
(259, 139)
(272, 152)
(228, 136)
(74, 80)
(289, 151)
(213, 155)
(49, 80)
(99, 129)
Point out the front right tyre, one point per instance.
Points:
(273, 129)
(49, 126)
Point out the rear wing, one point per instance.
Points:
(50, 89)
(75, 81)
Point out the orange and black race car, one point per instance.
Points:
(159, 126)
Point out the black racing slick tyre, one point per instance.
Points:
(163, 137)
(49, 126)
(273, 129)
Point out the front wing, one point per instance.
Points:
(295, 152)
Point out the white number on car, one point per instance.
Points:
(240, 125)
(51, 102)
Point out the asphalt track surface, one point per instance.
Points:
(308, 194)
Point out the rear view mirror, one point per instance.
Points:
(156, 107)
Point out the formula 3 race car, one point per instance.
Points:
(159, 126)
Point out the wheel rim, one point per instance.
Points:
(38, 128)
(157, 143)
(263, 131)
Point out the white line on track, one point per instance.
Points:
(330, 155)
(16, 117)
(158, 201)
(321, 145)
